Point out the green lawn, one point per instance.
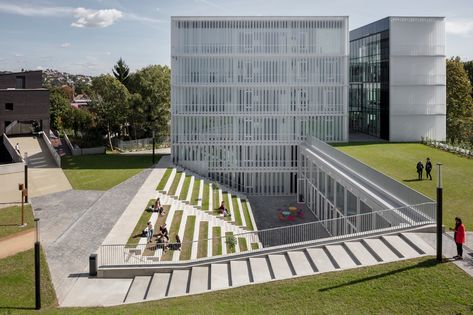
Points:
(399, 160)
(164, 179)
(188, 238)
(185, 188)
(228, 237)
(205, 197)
(17, 290)
(203, 236)
(103, 171)
(134, 238)
(195, 192)
(216, 200)
(417, 286)
(10, 219)
(242, 244)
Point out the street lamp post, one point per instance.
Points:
(153, 148)
(26, 176)
(439, 212)
(37, 266)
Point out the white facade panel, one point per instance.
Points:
(417, 78)
(247, 90)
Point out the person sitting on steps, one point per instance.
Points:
(164, 231)
(176, 245)
(223, 210)
(158, 207)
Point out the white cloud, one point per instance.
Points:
(32, 10)
(463, 27)
(158, 9)
(66, 45)
(107, 53)
(18, 55)
(96, 18)
(39, 68)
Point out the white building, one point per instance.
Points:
(246, 91)
(398, 79)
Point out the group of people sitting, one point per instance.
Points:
(157, 207)
(162, 238)
(223, 210)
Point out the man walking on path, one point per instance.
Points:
(17, 148)
(420, 168)
(428, 169)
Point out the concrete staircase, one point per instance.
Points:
(276, 266)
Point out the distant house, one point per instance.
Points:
(24, 103)
(81, 100)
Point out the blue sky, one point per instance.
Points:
(89, 36)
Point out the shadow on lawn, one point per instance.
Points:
(423, 264)
(109, 161)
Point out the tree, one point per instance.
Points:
(153, 84)
(121, 71)
(110, 102)
(79, 120)
(459, 102)
(59, 106)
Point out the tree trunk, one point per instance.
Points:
(109, 137)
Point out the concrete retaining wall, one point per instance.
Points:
(16, 157)
(52, 150)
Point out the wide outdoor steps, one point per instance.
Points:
(277, 266)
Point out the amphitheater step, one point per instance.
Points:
(301, 264)
(321, 260)
(260, 269)
(280, 266)
(416, 242)
(158, 286)
(219, 277)
(137, 290)
(341, 257)
(401, 246)
(178, 283)
(199, 281)
(240, 273)
(381, 249)
(361, 253)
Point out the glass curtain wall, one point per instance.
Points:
(369, 85)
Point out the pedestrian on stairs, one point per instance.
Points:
(459, 237)
(150, 231)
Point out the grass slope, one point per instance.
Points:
(236, 210)
(175, 183)
(164, 179)
(246, 213)
(203, 236)
(205, 197)
(134, 238)
(188, 238)
(398, 160)
(185, 188)
(416, 286)
(216, 241)
(10, 219)
(173, 229)
(17, 289)
(195, 192)
(103, 171)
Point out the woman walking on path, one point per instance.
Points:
(459, 237)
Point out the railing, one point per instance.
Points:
(277, 238)
(51, 149)
(141, 144)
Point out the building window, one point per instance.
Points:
(20, 82)
(9, 106)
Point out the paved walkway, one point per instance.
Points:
(44, 176)
(449, 249)
(16, 244)
(74, 223)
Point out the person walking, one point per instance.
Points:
(459, 237)
(428, 169)
(420, 168)
(17, 148)
(150, 231)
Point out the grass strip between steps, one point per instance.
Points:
(195, 192)
(164, 179)
(174, 228)
(135, 236)
(246, 213)
(188, 238)
(185, 188)
(205, 197)
(254, 246)
(243, 244)
(151, 247)
(175, 183)
(216, 241)
(230, 249)
(236, 211)
(203, 236)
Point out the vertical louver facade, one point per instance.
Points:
(246, 91)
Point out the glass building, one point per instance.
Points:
(397, 79)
